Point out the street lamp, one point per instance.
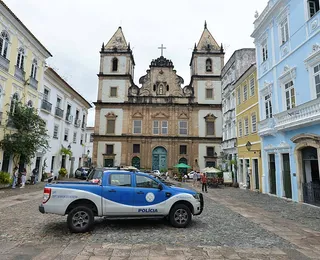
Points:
(249, 146)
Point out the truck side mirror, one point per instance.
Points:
(160, 187)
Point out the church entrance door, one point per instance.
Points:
(159, 158)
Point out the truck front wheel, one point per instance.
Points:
(180, 216)
(80, 219)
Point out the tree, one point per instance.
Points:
(28, 136)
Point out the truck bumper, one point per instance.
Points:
(201, 205)
(41, 209)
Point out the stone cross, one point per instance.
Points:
(162, 48)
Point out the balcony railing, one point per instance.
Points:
(4, 63)
(46, 106)
(59, 112)
(266, 127)
(19, 73)
(33, 83)
(301, 115)
(77, 122)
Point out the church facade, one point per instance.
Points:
(159, 123)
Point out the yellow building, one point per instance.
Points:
(248, 140)
(22, 63)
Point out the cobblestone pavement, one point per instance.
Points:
(232, 226)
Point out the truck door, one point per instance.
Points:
(148, 198)
(117, 195)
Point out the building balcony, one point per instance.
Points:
(266, 127)
(303, 115)
(77, 122)
(4, 63)
(46, 106)
(19, 73)
(33, 83)
(59, 112)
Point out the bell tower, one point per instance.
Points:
(205, 66)
(116, 69)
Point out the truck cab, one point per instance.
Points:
(120, 194)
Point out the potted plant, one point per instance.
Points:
(62, 173)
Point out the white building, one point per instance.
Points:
(88, 146)
(65, 112)
(239, 62)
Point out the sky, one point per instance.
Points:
(73, 31)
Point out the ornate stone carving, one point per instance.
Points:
(161, 62)
(314, 24)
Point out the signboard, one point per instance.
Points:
(227, 177)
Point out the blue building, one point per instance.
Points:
(287, 39)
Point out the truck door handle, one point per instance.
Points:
(112, 190)
(140, 192)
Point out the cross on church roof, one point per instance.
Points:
(162, 48)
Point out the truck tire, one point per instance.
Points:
(180, 216)
(80, 219)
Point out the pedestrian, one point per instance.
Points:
(23, 178)
(194, 178)
(204, 182)
(15, 177)
(35, 175)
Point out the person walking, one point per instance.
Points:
(15, 177)
(204, 182)
(194, 178)
(23, 178)
(35, 175)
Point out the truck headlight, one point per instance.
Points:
(196, 196)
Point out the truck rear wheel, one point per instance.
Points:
(80, 219)
(180, 216)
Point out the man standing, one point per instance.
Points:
(204, 182)
(35, 175)
(195, 178)
(23, 178)
(15, 177)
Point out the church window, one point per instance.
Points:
(136, 148)
(183, 127)
(167, 87)
(209, 93)
(208, 65)
(161, 89)
(210, 127)
(114, 64)
(183, 149)
(20, 59)
(111, 124)
(164, 127)
(313, 7)
(155, 127)
(34, 68)
(109, 149)
(154, 87)
(113, 91)
(137, 126)
(4, 44)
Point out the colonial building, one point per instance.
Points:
(161, 122)
(248, 140)
(238, 63)
(65, 112)
(22, 63)
(88, 146)
(286, 35)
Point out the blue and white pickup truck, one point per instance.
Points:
(120, 194)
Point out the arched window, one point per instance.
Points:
(114, 64)
(14, 100)
(161, 89)
(34, 68)
(20, 58)
(4, 43)
(208, 65)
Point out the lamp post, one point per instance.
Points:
(249, 146)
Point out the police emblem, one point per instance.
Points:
(150, 197)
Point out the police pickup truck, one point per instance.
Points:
(120, 194)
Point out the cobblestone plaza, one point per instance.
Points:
(235, 224)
